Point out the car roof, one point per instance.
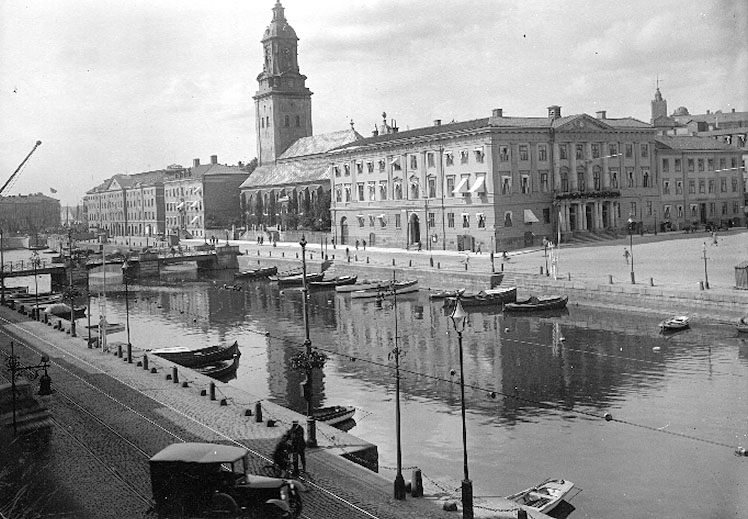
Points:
(200, 453)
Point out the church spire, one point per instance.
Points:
(658, 104)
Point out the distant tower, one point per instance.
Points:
(659, 107)
(283, 103)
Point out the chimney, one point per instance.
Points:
(601, 114)
(195, 163)
(498, 112)
(214, 159)
(733, 110)
(437, 122)
(554, 111)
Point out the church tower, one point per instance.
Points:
(659, 107)
(283, 103)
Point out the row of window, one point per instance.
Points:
(694, 210)
(700, 164)
(705, 185)
(479, 219)
(381, 164)
(597, 151)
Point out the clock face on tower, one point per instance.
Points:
(285, 62)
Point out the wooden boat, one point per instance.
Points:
(442, 294)
(62, 310)
(297, 279)
(221, 370)
(675, 323)
(257, 273)
(199, 357)
(543, 497)
(334, 282)
(93, 330)
(366, 284)
(490, 297)
(537, 303)
(400, 287)
(742, 324)
(334, 414)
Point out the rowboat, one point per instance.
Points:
(221, 370)
(63, 310)
(742, 324)
(399, 287)
(490, 297)
(297, 279)
(537, 303)
(199, 357)
(543, 497)
(366, 284)
(334, 414)
(334, 282)
(442, 294)
(675, 323)
(261, 272)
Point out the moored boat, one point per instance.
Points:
(199, 357)
(62, 310)
(333, 282)
(221, 370)
(297, 279)
(261, 272)
(543, 497)
(365, 284)
(399, 287)
(493, 297)
(537, 303)
(334, 414)
(675, 323)
(742, 324)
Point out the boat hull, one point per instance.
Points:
(364, 285)
(543, 497)
(199, 357)
(333, 283)
(334, 414)
(538, 304)
(256, 273)
(402, 287)
(222, 370)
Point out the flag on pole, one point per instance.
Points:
(52, 190)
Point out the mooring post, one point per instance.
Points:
(258, 412)
(212, 391)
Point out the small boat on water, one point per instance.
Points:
(675, 323)
(742, 324)
(543, 497)
(537, 303)
(297, 279)
(334, 282)
(221, 370)
(365, 284)
(442, 294)
(334, 414)
(261, 272)
(493, 297)
(62, 310)
(199, 357)
(399, 287)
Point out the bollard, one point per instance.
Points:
(466, 265)
(367, 259)
(502, 267)
(270, 254)
(431, 261)
(438, 265)
(258, 252)
(175, 375)
(119, 351)
(212, 391)
(349, 259)
(610, 279)
(651, 282)
(247, 412)
(311, 256)
(297, 255)
(701, 285)
(258, 412)
(410, 263)
(393, 262)
(283, 254)
(203, 392)
(417, 485)
(185, 384)
(145, 362)
(569, 276)
(224, 402)
(541, 270)
(154, 370)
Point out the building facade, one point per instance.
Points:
(29, 213)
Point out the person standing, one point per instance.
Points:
(626, 255)
(714, 238)
(298, 447)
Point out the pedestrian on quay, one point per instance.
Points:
(478, 251)
(357, 242)
(298, 447)
(282, 454)
(626, 255)
(714, 238)
(364, 244)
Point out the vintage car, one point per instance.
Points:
(211, 480)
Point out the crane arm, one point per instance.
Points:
(7, 182)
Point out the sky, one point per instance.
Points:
(126, 86)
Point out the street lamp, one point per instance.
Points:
(311, 425)
(35, 262)
(125, 271)
(706, 274)
(14, 366)
(631, 247)
(399, 480)
(458, 318)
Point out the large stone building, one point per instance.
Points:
(32, 213)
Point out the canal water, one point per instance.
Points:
(538, 388)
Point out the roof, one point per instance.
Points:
(319, 144)
(200, 453)
(288, 172)
(692, 143)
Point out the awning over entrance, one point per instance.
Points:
(530, 217)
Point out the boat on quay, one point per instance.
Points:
(197, 357)
(258, 273)
(365, 284)
(333, 282)
(545, 496)
(399, 287)
(537, 304)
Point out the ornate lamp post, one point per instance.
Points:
(395, 353)
(631, 247)
(125, 272)
(35, 262)
(14, 366)
(311, 425)
(458, 318)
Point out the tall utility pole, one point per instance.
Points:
(311, 424)
(399, 480)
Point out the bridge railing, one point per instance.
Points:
(26, 265)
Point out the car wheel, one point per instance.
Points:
(223, 505)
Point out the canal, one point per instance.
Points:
(538, 388)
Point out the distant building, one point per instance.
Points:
(29, 214)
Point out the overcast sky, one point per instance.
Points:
(125, 86)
